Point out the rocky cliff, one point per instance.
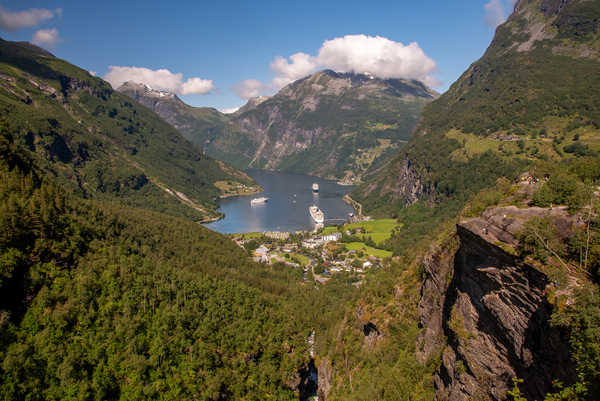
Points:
(487, 313)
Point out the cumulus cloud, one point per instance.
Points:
(497, 11)
(46, 38)
(377, 55)
(300, 65)
(250, 88)
(162, 79)
(380, 56)
(12, 21)
(494, 13)
(196, 86)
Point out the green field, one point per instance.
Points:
(380, 230)
(303, 259)
(248, 235)
(356, 246)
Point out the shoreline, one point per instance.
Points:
(212, 219)
(257, 191)
(356, 205)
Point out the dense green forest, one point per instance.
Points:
(101, 301)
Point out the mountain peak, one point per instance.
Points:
(140, 89)
(329, 82)
(22, 49)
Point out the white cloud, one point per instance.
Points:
(12, 21)
(46, 38)
(380, 56)
(229, 111)
(497, 11)
(162, 79)
(300, 66)
(196, 86)
(377, 55)
(494, 13)
(250, 88)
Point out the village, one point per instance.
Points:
(354, 248)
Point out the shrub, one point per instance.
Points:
(558, 190)
(539, 239)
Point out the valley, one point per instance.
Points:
(151, 249)
(335, 126)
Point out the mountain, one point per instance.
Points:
(100, 143)
(328, 124)
(197, 124)
(251, 104)
(534, 95)
(497, 205)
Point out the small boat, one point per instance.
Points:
(315, 187)
(257, 201)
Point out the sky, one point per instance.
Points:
(218, 54)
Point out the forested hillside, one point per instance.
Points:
(533, 96)
(103, 301)
(101, 143)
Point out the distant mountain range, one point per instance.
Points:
(102, 144)
(329, 124)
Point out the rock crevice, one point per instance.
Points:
(486, 312)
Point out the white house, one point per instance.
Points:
(261, 254)
(332, 237)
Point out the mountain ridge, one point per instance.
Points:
(99, 142)
(534, 83)
(313, 125)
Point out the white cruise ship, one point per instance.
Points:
(315, 187)
(316, 214)
(257, 201)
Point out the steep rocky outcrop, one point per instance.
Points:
(486, 311)
(406, 184)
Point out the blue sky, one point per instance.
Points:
(223, 45)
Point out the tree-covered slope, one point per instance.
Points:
(102, 301)
(99, 142)
(534, 95)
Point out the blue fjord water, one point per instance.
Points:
(289, 195)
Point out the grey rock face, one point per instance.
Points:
(487, 313)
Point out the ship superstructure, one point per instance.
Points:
(316, 214)
(258, 201)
